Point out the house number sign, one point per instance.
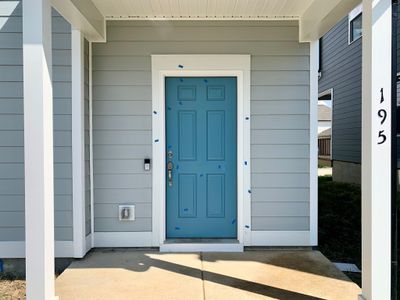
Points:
(382, 114)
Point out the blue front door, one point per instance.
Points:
(201, 157)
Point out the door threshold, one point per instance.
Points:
(201, 245)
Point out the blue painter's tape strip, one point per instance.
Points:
(154, 112)
(247, 226)
(247, 118)
(249, 191)
(180, 66)
(245, 162)
(156, 141)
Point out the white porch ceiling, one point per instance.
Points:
(315, 17)
(202, 9)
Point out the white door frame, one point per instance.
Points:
(201, 66)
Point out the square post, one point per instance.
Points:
(38, 149)
(78, 142)
(376, 149)
(314, 61)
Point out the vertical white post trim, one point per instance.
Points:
(78, 143)
(91, 141)
(314, 58)
(246, 84)
(38, 149)
(376, 158)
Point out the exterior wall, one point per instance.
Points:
(88, 226)
(279, 119)
(341, 70)
(11, 125)
(346, 172)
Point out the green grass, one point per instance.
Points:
(339, 211)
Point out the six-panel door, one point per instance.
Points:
(201, 157)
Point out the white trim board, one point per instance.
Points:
(17, 249)
(205, 66)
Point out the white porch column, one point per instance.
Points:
(78, 142)
(376, 149)
(38, 139)
(314, 58)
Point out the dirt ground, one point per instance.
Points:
(12, 289)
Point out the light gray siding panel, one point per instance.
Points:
(280, 209)
(12, 233)
(114, 225)
(280, 151)
(341, 70)
(280, 107)
(115, 196)
(280, 223)
(288, 180)
(123, 93)
(122, 122)
(123, 181)
(119, 137)
(280, 122)
(279, 115)
(276, 166)
(11, 125)
(279, 137)
(263, 93)
(280, 195)
(121, 151)
(122, 108)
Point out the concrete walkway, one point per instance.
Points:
(130, 274)
(324, 171)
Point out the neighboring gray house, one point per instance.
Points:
(340, 82)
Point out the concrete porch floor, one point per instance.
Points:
(267, 274)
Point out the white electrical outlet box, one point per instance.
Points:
(126, 212)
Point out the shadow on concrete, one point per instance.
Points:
(141, 262)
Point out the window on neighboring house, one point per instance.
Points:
(355, 24)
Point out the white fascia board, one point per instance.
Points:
(84, 16)
(321, 16)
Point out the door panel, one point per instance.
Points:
(201, 151)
